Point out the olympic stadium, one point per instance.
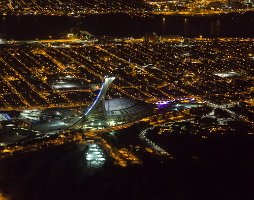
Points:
(14, 131)
(101, 113)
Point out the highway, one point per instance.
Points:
(157, 148)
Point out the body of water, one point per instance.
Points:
(120, 25)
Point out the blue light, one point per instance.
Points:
(7, 117)
(97, 98)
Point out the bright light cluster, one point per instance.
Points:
(94, 156)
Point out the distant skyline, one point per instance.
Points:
(141, 7)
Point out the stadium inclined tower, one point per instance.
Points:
(100, 99)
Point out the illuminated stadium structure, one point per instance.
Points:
(67, 83)
(5, 117)
(227, 74)
(123, 109)
(101, 113)
(100, 99)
